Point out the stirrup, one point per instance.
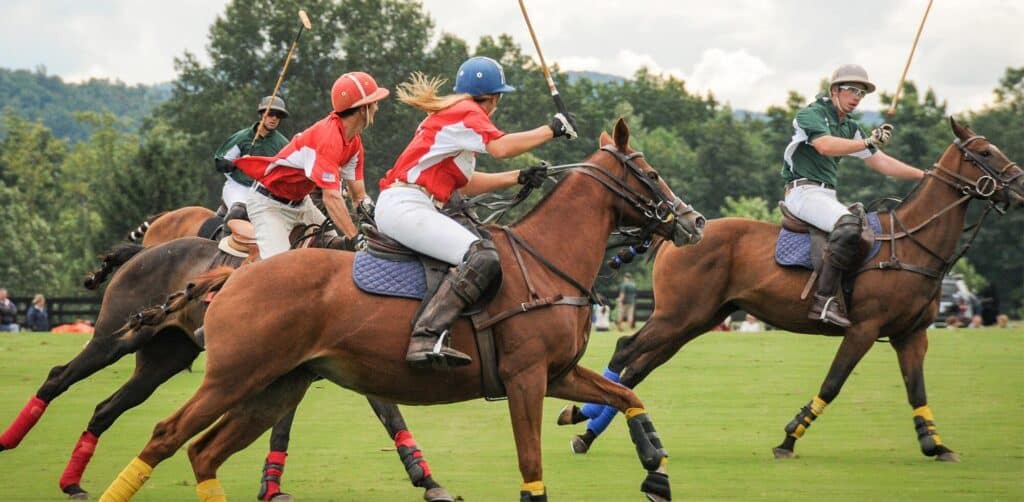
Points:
(837, 318)
(439, 357)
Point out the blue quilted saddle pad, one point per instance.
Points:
(794, 250)
(378, 276)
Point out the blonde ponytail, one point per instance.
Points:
(420, 92)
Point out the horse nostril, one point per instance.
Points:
(700, 222)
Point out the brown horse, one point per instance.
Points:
(145, 279)
(319, 323)
(895, 295)
(170, 225)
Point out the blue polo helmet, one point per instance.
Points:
(481, 75)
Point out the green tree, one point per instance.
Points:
(754, 208)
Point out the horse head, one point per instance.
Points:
(986, 170)
(652, 204)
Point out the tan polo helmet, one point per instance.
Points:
(851, 73)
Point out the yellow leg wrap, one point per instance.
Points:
(818, 405)
(924, 412)
(128, 482)
(211, 491)
(534, 487)
(632, 412)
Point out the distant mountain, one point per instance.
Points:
(34, 95)
(593, 76)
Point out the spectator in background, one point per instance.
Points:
(953, 322)
(1003, 321)
(750, 324)
(602, 319)
(989, 298)
(8, 313)
(37, 319)
(627, 302)
(975, 321)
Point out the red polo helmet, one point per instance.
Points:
(355, 89)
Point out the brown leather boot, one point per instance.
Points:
(430, 346)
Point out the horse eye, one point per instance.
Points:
(652, 175)
(986, 153)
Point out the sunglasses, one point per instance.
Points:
(857, 91)
(276, 114)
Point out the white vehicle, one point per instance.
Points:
(956, 300)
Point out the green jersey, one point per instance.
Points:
(240, 144)
(818, 119)
(628, 292)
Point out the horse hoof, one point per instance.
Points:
(578, 445)
(565, 417)
(282, 497)
(76, 492)
(437, 494)
(79, 496)
(782, 453)
(655, 498)
(947, 457)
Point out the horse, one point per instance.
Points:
(895, 295)
(169, 225)
(358, 340)
(146, 277)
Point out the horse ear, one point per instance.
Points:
(960, 131)
(621, 135)
(605, 139)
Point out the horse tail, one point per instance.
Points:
(140, 231)
(143, 325)
(117, 256)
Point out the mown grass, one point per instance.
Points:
(719, 406)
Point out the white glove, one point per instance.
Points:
(367, 206)
(563, 126)
(880, 136)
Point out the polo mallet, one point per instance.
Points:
(559, 105)
(899, 88)
(280, 78)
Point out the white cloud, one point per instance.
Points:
(730, 75)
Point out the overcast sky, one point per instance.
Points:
(748, 52)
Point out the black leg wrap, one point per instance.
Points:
(525, 496)
(412, 464)
(657, 484)
(928, 437)
(648, 444)
(796, 427)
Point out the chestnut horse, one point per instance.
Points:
(317, 322)
(895, 295)
(170, 225)
(145, 279)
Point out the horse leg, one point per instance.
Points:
(273, 466)
(910, 351)
(635, 357)
(855, 344)
(156, 362)
(582, 384)
(214, 397)
(242, 425)
(96, 355)
(408, 452)
(526, 391)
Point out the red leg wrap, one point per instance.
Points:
(273, 469)
(406, 445)
(80, 457)
(26, 420)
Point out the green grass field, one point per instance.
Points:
(719, 406)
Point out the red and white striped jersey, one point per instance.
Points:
(317, 157)
(442, 154)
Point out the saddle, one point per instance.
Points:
(386, 260)
(819, 241)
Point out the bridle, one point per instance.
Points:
(983, 188)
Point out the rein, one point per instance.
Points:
(982, 188)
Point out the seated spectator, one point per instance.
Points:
(953, 322)
(750, 324)
(37, 319)
(603, 321)
(1003, 321)
(8, 313)
(79, 326)
(975, 321)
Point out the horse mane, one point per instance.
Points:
(544, 200)
(911, 197)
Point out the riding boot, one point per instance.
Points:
(828, 304)
(430, 344)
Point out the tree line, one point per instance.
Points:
(65, 201)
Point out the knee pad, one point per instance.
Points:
(479, 267)
(843, 241)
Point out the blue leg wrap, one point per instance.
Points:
(592, 410)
